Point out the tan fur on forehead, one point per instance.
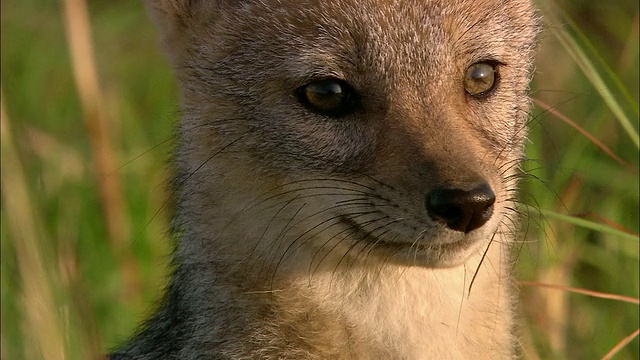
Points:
(180, 17)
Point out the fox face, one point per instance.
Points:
(387, 129)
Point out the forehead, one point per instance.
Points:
(392, 43)
(420, 28)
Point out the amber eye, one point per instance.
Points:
(331, 97)
(480, 78)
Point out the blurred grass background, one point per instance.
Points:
(84, 239)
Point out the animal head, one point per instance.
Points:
(387, 128)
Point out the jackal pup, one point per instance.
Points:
(345, 179)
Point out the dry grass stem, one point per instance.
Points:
(620, 345)
(582, 291)
(111, 194)
(42, 322)
(583, 132)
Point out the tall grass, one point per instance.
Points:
(76, 279)
(584, 152)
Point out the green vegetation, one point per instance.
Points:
(76, 280)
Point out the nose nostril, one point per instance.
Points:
(461, 210)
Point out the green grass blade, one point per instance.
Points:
(605, 229)
(577, 46)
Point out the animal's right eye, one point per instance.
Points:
(330, 97)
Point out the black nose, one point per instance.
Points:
(461, 210)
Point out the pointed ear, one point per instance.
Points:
(175, 20)
(182, 21)
(172, 15)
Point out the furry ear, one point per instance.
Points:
(175, 20)
(172, 15)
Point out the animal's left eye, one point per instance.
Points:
(480, 78)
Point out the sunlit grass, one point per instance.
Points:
(582, 217)
(585, 216)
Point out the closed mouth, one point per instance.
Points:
(363, 235)
(359, 232)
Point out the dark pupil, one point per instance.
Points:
(481, 73)
(326, 95)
